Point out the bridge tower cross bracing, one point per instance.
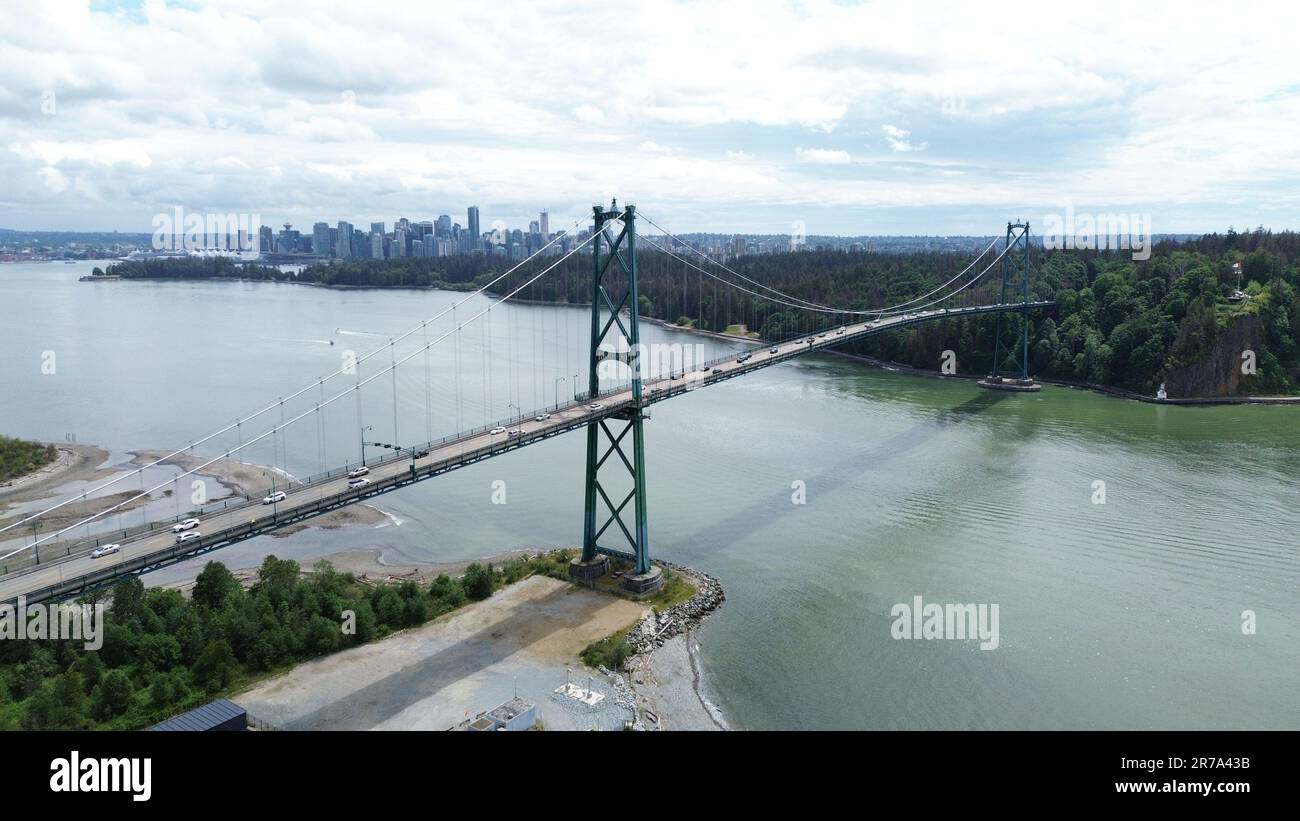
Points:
(612, 338)
(1010, 369)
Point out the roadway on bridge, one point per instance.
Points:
(454, 453)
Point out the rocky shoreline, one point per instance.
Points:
(656, 628)
(661, 681)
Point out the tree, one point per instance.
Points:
(478, 581)
(159, 651)
(216, 667)
(213, 584)
(112, 696)
(59, 704)
(322, 636)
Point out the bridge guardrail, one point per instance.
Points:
(655, 394)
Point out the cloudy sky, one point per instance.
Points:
(853, 118)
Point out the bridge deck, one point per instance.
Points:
(154, 549)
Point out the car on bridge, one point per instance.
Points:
(360, 481)
(188, 524)
(497, 431)
(278, 496)
(513, 432)
(595, 406)
(106, 550)
(541, 417)
(841, 330)
(774, 349)
(188, 536)
(359, 472)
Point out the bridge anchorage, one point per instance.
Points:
(1010, 370)
(612, 431)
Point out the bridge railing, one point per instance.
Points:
(62, 549)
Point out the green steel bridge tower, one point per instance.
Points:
(1010, 369)
(606, 437)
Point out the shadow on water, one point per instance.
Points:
(772, 507)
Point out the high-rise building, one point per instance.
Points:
(546, 225)
(444, 225)
(287, 241)
(265, 239)
(320, 238)
(474, 234)
(377, 244)
(376, 228)
(344, 241)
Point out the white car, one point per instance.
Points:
(278, 496)
(106, 550)
(188, 524)
(497, 431)
(541, 417)
(361, 471)
(595, 406)
(513, 432)
(774, 349)
(360, 481)
(188, 536)
(841, 330)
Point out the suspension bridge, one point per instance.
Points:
(622, 383)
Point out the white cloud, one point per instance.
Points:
(898, 139)
(822, 156)
(589, 114)
(253, 105)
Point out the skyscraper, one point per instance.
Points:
(546, 226)
(376, 228)
(320, 238)
(474, 233)
(344, 241)
(444, 225)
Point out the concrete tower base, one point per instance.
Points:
(588, 571)
(1002, 383)
(647, 582)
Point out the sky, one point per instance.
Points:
(749, 117)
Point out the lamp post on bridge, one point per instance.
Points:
(558, 380)
(363, 443)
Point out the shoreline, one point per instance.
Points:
(75, 463)
(1105, 390)
(665, 674)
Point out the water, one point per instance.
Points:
(1122, 615)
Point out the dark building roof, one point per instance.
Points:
(217, 715)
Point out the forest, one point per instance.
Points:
(163, 653)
